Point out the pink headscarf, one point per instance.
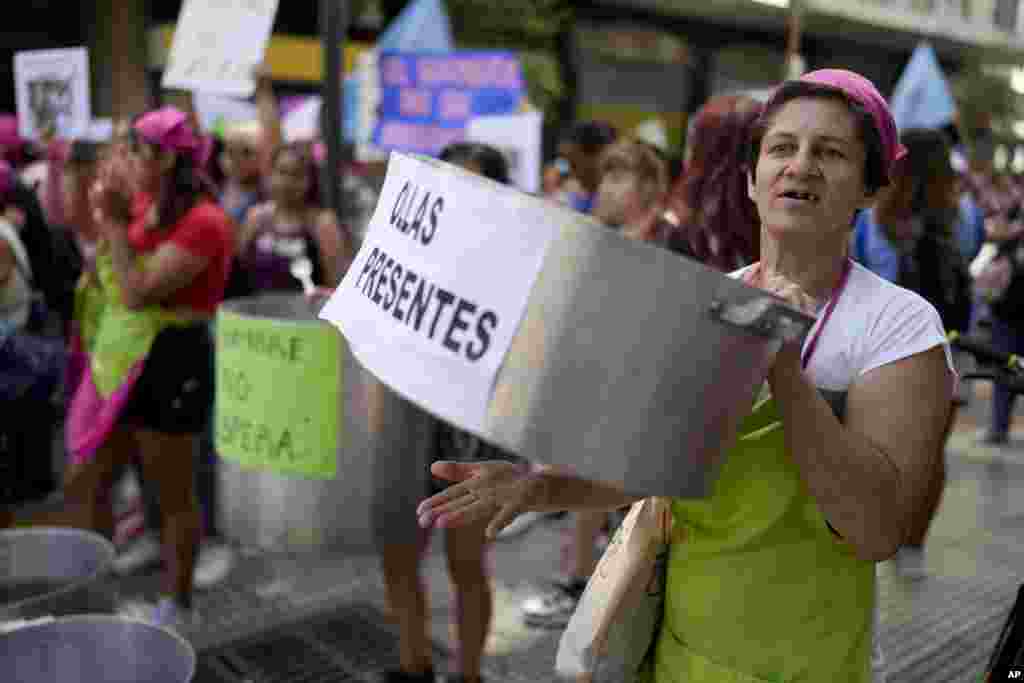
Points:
(863, 92)
(168, 127)
(6, 180)
(9, 135)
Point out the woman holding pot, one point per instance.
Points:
(776, 577)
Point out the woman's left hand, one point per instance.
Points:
(789, 356)
(782, 288)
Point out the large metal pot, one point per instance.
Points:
(634, 365)
(264, 508)
(94, 649)
(54, 571)
(629, 364)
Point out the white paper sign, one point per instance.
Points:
(100, 130)
(518, 136)
(440, 285)
(303, 123)
(216, 110)
(217, 44)
(53, 88)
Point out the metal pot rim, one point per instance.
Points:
(108, 550)
(183, 644)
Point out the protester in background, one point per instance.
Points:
(1002, 203)
(631, 195)
(20, 206)
(630, 198)
(161, 268)
(12, 145)
(909, 238)
(292, 225)
(775, 578)
(709, 204)
(243, 167)
(553, 179)
(465, 547)
(15, 281)
(581, 146)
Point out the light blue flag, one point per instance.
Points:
(922, 98)
(423, 26)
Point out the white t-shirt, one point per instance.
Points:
(874, 322)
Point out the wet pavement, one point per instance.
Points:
(326, 615)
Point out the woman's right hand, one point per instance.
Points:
(493, 490)
(112, 194)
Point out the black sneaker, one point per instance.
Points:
(554, 608)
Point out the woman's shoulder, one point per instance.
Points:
(876, 294)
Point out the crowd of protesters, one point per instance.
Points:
(115, 255)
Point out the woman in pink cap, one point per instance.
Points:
(142, 320)
(774, 578)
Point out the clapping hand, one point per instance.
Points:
(112, 193)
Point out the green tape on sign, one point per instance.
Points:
(278, 386)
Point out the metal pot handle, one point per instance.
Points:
(764, 316)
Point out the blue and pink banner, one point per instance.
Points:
(428, 98)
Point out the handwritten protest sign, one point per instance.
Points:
(435, 295)
(426, 99)
(53, 92)
(217, 44)
(215, 112)
(277, 394)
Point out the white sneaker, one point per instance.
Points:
(214, 563)
(910, 563)
(142, 554)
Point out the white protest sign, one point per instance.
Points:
(217, 44)
(303, 123)
(100, 130)
(53, 89)
(215, 111)
(518, 137)
(437, 291)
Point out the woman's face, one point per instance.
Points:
(289, 179)
(77, 180)
(809, 177)
(240, 159)
(619, 196)
(152, 163)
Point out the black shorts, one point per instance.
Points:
(174, 394)
(452, 443)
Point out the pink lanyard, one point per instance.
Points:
(812, 345)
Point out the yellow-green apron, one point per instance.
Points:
(761, 589)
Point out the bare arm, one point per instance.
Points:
(170, 269)
(268, 113)
(869, 477)
(333, 255)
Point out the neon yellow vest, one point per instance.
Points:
(761, 589)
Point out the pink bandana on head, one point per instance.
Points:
(9, 135)
(863, 92)
(168, 127)
(6, 179)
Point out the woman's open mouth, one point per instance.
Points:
(800, 196)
